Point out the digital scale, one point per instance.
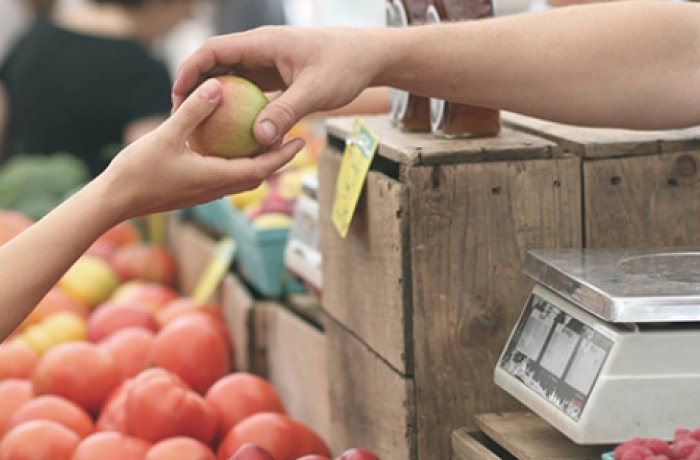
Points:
(608, 345)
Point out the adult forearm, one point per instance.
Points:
(633, 64)
(35, 260)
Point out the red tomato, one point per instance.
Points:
(283, 437)
(145, 262)
(184, 305)
(55, 301)
(12, 224)
(122, 234)
(251, 452)
(113, 414)
(56, 409)
(109, 445)
(17, 361)
(358, 454)
(113, 316)
(180, 448)
(131, 350)
(192, 348)
(38, 440)
(240, 395)
(79, 371)
(160, 405)
(151, 295)
(14, 393)
(314, 457)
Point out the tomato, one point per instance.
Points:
(56, 409)
(38, 440)
(131, 350)
(14, 393)
(145, 262)
(184, 305)
(283, 437)
(358, 454)
(78, 371)
(192, 348)
(251, 452)
(240, 395)
(122, 234)
(12, 224)
(113, 316)
(17, 360)
(113, 414)
(160, 405)
(55, 301)
(109, 445)
(314, 457)
(180, 448)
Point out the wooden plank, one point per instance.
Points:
(604, 142)
(371, 404)
(470, 228)
(238, 308)
(467, 447)
(365, 273)
(424, 148)
(528, 437)
(643, 201)
(297, 367)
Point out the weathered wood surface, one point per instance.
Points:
(424, 148)
(471, 225)
(527, 437)
(365, 274)
(371, 404)
(298, 367)
(238, 307)
(645, 201)
(466, 447)
(603, 142)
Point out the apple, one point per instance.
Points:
(228, 132)
(251, 452)
(145, 262)
(153, 296)
(113, 316)
(358, 454)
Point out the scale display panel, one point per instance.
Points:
(556, 355)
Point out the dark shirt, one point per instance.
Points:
(76, 93)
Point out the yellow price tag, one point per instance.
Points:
(215, 270)
(360, 148)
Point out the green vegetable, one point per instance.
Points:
(35, 184)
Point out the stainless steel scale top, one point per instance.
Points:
(623, 285)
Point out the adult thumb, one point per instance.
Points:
(198, 106)
(281, 114)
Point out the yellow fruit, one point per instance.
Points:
(290, 183)
(272, 220)
(303, 159)
(244, 199)
(54, 330)
(89, 280)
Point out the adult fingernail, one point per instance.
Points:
(210, 90)
(269, 130)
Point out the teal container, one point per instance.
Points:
(608, 456)
(260, 256)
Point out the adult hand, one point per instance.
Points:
(316, 69)
(159, 172)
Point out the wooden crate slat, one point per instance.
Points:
(297, 363)
(475, 223)
(424, 148)
(466, 447)
(238, 309)
(371, 404)
(364, 274)
(643, 201)
(603, 142)
(528, 437)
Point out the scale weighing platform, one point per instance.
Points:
(608, 345)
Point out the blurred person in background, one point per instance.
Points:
(83, 79)
(242, 15)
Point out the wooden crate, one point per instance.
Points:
(641, 188)
(521, 436)
(296, 359)
(427, 285)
